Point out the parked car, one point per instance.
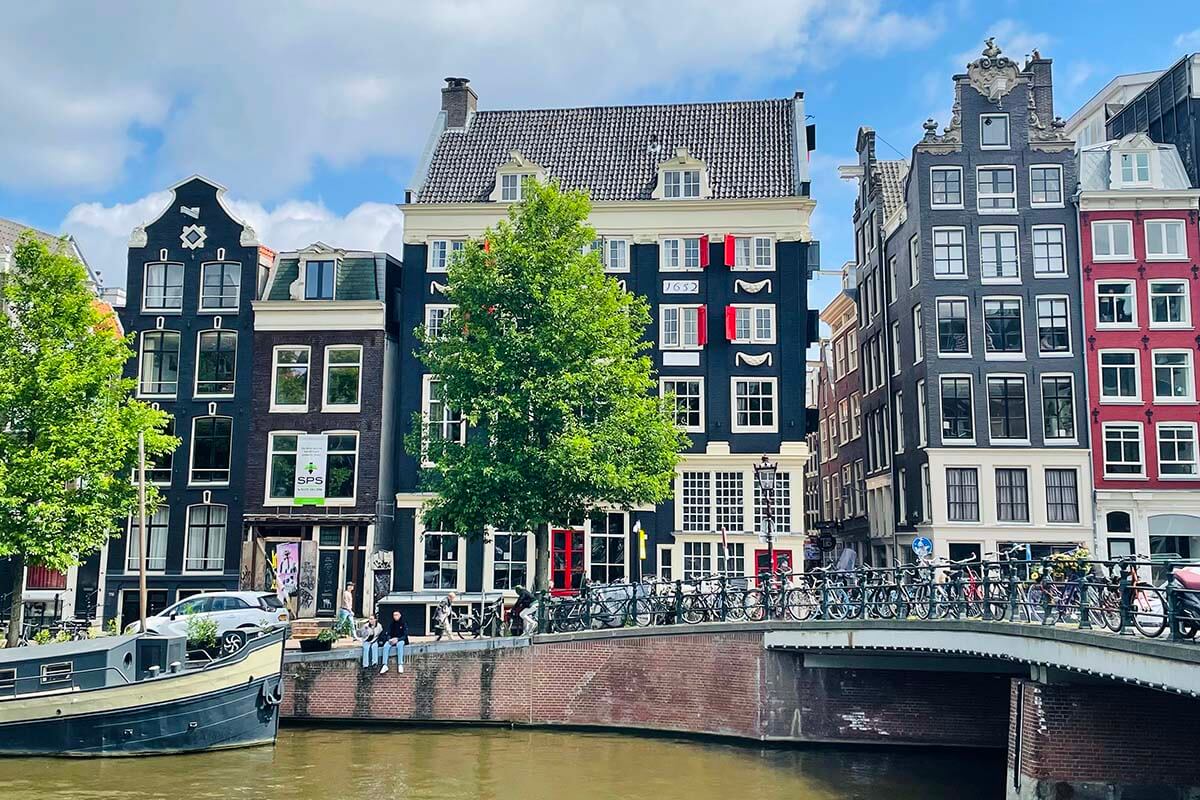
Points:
(236, 614)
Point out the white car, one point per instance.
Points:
(242, 612)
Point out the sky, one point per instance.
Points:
(314, 114)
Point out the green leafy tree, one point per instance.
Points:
(544, 359)
(68, 427)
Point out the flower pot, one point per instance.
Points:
(314, 646)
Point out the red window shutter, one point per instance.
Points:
(729, 250)
(703, 252)
(730, 323)
(702, 325)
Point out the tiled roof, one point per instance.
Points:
(11, 231)
(747, 145)
(891, 179)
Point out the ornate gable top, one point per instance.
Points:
(993, 74)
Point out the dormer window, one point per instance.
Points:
(993, 131)
(511, 187)
(318, 279)
(1135, 168)
(682, 177)
(511, 177)
(681, 183)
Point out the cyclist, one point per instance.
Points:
(524, 609)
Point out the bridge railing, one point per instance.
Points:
(1063, 589)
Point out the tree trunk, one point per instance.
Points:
(16, 612)
(541, 554)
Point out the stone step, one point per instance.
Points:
(309, 628)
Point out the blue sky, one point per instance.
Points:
(314, 116)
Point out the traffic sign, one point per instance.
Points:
(922, 546)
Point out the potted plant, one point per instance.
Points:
(319, 644)
(202, 634)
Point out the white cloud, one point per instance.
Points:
(103, 231)
(260, 96)
(1189, 41)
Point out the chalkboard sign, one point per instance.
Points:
(327, 582)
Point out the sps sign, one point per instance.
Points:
(311, 452)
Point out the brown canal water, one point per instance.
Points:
(485, 763)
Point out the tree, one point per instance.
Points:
(68, 427)
(543, 357)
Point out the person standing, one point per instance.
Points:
(396, 637)
(370, 633)
(345, 614)
(443, 616)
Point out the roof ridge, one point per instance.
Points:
(632, 105)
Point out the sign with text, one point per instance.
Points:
(311, 452)
(681, 287)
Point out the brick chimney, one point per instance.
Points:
(458, 101)
(1043, 87)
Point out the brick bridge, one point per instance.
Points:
(1081, 714)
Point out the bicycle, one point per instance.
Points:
(488, 620)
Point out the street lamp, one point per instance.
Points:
(764, 475)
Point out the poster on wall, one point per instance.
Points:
(311, 452)
(287, 569)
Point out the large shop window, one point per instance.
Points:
(607, 542)
(689, 401)
(211, 449)
(1012, 494)
(1062, 495)
(158, 365)
(157, 525)
(1058, 407)
(781, 505)
(440, 560)
(206, 538)
(343, 377)
(163, 290)
(220, 287)
(1123, 449)
(290, 376)
(962, 494)
(754, 405)
(216, 363)
(958, 423)
(510, 560)
(1006, 408)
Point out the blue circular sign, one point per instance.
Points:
(922, 546)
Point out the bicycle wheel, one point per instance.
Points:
(799, 603)
(754, 602)
(643, 611)
(1149, 611)
(735, 605)
(693, 609)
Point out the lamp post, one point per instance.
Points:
(764, 475)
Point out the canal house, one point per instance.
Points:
(704, 210)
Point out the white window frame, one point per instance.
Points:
(490, 563)
(1007, 132)
(426, 383)
(1037, 326)
(130, 565)
(922, 410)
(855, 415)
(341, 408)
(1033, 244)
(914, 260)
(1059, 203)
(899, 437)
(681, 243)
(998, 196)
(966, 301)
(606, 254)
(460, 576)
(516, 193)
(1028, 410)
(222, 310)
(1137, 372)
(1052, 441)
(141, 360)
(1133, 304)
(680, 344)
(753, 309)
(353, 498)
(1186, 321)
(191, 481)
(187, 538)
(163, 310)
(918, 323)
(1112, 223)
(733, 411)
(949, 442)
(451, 246)
(962, 232)
(1141, 439)
(1000, 229)
(896, 348)
(1190, 397)
(237, 346)
(275, 365)
(662, 393)
(679, 189)
(444, 308)
(752, 262)
(1169, 476)
(1166, 256)
(1134, 168)
(1003, 355)
(962, 189)
(268, 500)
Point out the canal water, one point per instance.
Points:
(484, 763)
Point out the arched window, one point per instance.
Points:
(1118, 522)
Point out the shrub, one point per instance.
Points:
(201, 631)
(42, 637)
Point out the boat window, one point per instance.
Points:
(56, 673)
(8, 680)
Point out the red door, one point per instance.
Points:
(783, 561)
(566, 560)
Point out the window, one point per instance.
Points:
(1054, 329)
(731, 559)
(926, 495)
(1045, 186)
(1002, 326)
(753, 324)
(730, 501)
(696, 556)
(1176, 449)
(616, 255)
(290, 375)
(1058, 407)
(953, 335)
(442, 423)
(216, 363)
(665, 562)
(902, 494)
(1112, 241)
(754, 405)
(946, 186)
(211, 448)
(1006, 408)
(781, 505)
(1165, 240)
(914, 260)
(899, 405)
(753, 252)
(436, 319)
(949, 252)
(962, 494)
(1049, 251)
(206, 538)
(958, 424)
(998, 259)
(993, 131)
(1173, 375)
(1169, 304)
(1062, 495)
(440, 252)
(158, 365)
(689, 401)
(220, 286)
(158, 468)
(607, 543)
(856, 415)
(681, 183)
(1135, 168)
(343, 373)
(696, 504)
(891, 293)
(57, 673)
(922, 438)
(510, 560)
(1123, 449)
(1115, 303)
(318, 279)
(678, 255)
(164, 287)
(1012, 495)
(918, 335)
(852, 349)
(439, 568)
(680, 328)
(512, 187)
(157, 525)
(896, 348)
(996, 190)
(281, 460)
(1119, 375)
(341, 466)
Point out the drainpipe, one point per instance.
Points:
(1087, 400)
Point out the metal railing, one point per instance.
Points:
(1113, 595)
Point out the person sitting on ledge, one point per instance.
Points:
(370, 633)
(396, 636)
